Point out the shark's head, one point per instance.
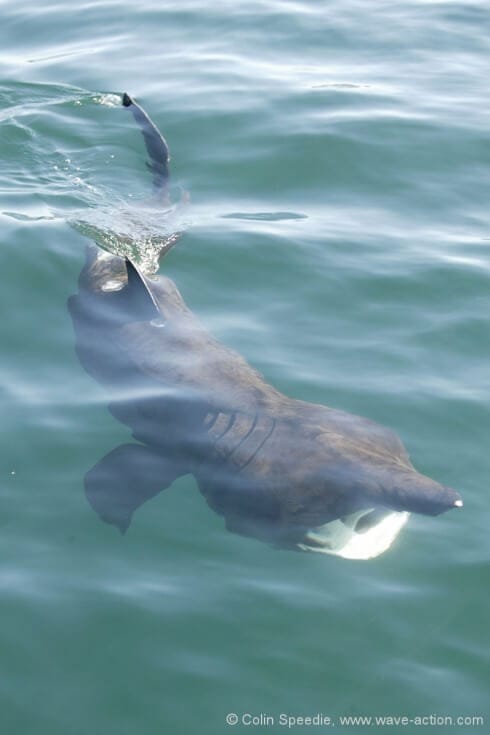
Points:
(370, 498)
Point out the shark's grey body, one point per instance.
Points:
(276, 468)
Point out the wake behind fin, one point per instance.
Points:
(156, 145)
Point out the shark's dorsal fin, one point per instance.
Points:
(143, 304)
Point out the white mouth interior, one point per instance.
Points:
(340, 537)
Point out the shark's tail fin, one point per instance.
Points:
(156, 145)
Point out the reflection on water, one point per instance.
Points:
(264, 216)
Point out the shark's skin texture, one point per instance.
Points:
(275, 468)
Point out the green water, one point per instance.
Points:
(338, 156)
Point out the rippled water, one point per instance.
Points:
(337, 159)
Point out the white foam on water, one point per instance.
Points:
(340, 537)
(109, 100)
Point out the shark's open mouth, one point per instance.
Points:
(362, 535)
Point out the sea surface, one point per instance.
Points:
(337, 158)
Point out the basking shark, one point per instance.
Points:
(288, 472)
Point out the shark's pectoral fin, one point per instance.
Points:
(125, 479)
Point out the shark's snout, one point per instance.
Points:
(420, 494)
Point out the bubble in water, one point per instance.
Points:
(159, 323)
(112, 286)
